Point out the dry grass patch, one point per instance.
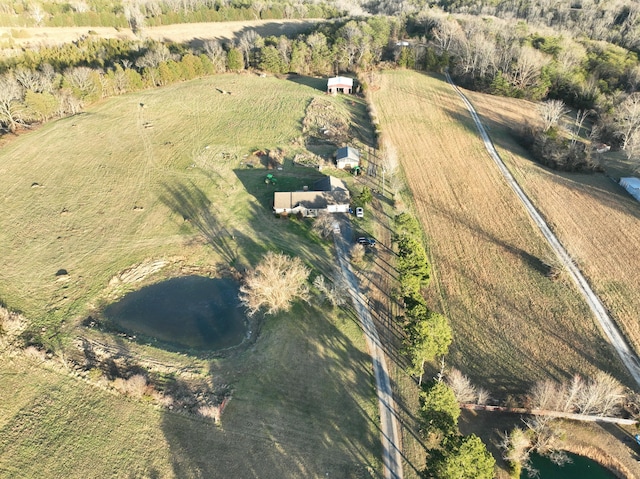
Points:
(598, 222)
(512, 324)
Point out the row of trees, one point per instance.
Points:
(450, 455)
(140, 13)
(428, 334)
(55, 81)
(495, 56)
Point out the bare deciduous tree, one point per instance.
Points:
(527, 67)
(11, 94)
(483, 396)
(216, 54)
(274, 284)
(154, 57)
(335, 292)
(546, 433)
(546, 395)
(464, 391)
(516, 447)
(390, 165)
(357, 253)
(324, 224)
(246, 44)
(135, 386)
(551, 111)
(627, 119)
(601, 396)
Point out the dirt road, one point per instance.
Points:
(391, 455)
(627, 355)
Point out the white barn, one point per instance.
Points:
(340, 85)
(632, 185)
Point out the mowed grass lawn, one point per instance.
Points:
(512, 325)
(154, 175)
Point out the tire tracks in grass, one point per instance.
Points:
(627, 355)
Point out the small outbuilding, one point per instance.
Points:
(347, 157)
(330, 195)
(632, 185)
(340, 85)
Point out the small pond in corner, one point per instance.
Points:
(580, 467)
(190, 312)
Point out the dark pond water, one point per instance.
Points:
(191, 312)
(579, 468)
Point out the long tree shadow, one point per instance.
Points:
(299, 408)
(193, 205)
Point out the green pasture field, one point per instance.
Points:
(161, 175)
(303, 406)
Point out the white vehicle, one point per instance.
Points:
(359, 212)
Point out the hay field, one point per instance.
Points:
(160, 175)
(596, 220)
(512, 324)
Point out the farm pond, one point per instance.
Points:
(189, 312)
(580, 467)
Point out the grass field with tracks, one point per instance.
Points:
(512, 324)
(160, 175)
(597, 221)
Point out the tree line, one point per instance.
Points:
(139, 14)
(50, 82)
(503, 57)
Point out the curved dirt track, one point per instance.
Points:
(391, 456)
(627, 355)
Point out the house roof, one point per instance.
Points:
(309, 199)
(347, 152)
(330, 183)
(340, 81)
(329, 191)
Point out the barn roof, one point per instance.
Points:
(347, 152)
(340, 81)
(632, 185)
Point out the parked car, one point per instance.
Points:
(366, 241)
(359, 212)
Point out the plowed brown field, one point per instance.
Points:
(512, 324)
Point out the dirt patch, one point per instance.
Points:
(323, 122)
